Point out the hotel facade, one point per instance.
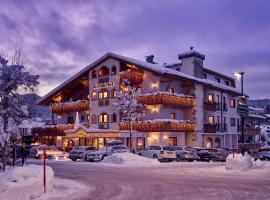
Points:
(185, 104)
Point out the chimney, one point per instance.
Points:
(150, 59)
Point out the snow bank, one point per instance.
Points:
(130, 160)
(239, 162)
(25, 182)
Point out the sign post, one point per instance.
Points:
(44, 170)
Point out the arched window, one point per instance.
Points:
(114, 118)
(103, 71)
(114, 93)
(113, 70)
(103, 94)
(94, 119)
(209, 143)
(217, 142)
(103, 118)
(94, 74)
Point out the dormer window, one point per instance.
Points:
(217, 80)
(227, 83)
(103, 71)
(113, 70)
(171, 90)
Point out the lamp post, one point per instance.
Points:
(240, 75)
(13, 139)
(23, 132)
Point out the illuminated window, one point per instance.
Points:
(114, 93)
(94, 95)
(140, 143)
(103, 118)
(210, 98)
(59, 116)
(113, 70)
(103, 71)
(103, 94)
(218, 98)
(171, 90)
(172, 115)
(218, 120)
(211, 119)
(232, 103)
(94, 74)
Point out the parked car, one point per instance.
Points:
(80, 152)
(264, 153)
(185, 153)
(162, 153)
(203, 153)
(99, 155)
(52, 152)
(217, 154)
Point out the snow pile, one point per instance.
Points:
(25, 182)
(131, 160)
(239, 162)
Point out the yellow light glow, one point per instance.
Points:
(165, 137)
(154, 85)
(237, 75)
(59, 137)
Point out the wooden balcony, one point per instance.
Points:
(252, 131)
(210, 128)
(167, 98)
(132, 76)
(160, 126)
(210, 106)
(70, 106)
(52, 130)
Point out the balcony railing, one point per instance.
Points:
(252, 131)
(103, 102)
(210, 106)
(160, 125)
(103, 126)
(167, 98)
(210, 128)
(132, 76)
(70, 106)
(51, 130)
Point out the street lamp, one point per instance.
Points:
(13, 139)
(242, 99)
(23, 132)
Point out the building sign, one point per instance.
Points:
(103, 85)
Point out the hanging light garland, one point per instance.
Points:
(70, 106)
(132, 76)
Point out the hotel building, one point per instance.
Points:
(185, 104)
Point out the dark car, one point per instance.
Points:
(218, 154)
(203, 153)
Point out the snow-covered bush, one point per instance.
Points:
(239, 162)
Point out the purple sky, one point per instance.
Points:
(62, 37)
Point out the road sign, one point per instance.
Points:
(243, 110)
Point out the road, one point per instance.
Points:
(165, 182)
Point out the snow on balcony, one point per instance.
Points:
(160, 125)
(75, 106)
(167, 98)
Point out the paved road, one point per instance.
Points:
(183, 182)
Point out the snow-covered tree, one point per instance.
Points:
(14, 81)
(130, 109)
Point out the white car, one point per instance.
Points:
(99, 155)
(80, 152)
(264, 153)
(162, 153)
(52, 152)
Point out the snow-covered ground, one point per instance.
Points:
(26, 183)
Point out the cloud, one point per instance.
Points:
(63, 37)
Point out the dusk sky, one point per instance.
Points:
(62, 37)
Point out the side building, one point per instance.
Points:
(185, 104)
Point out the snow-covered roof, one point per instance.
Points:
(159, 68)
(257, 116)
(267, 115)
(256, 109)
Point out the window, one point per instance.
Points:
(139, 90)
(178, 69)
(88, 117)
(227, 83)
(114, 117)
(211, 120)
(114, 93)
(94, 74)
(205, 76)
(103, 71)
(103, 118)
(113, 70)
(94, 95)
(82, 117)
(233, 122)
(217, 98)
(172, 115)
(232, 103)
(171, 90)
(210, 98)
(218, 120)
(140, 143)
(103, 94)
(70, 120)
(217, 80)
(94, 119)
(172, 141)
(59, 116)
